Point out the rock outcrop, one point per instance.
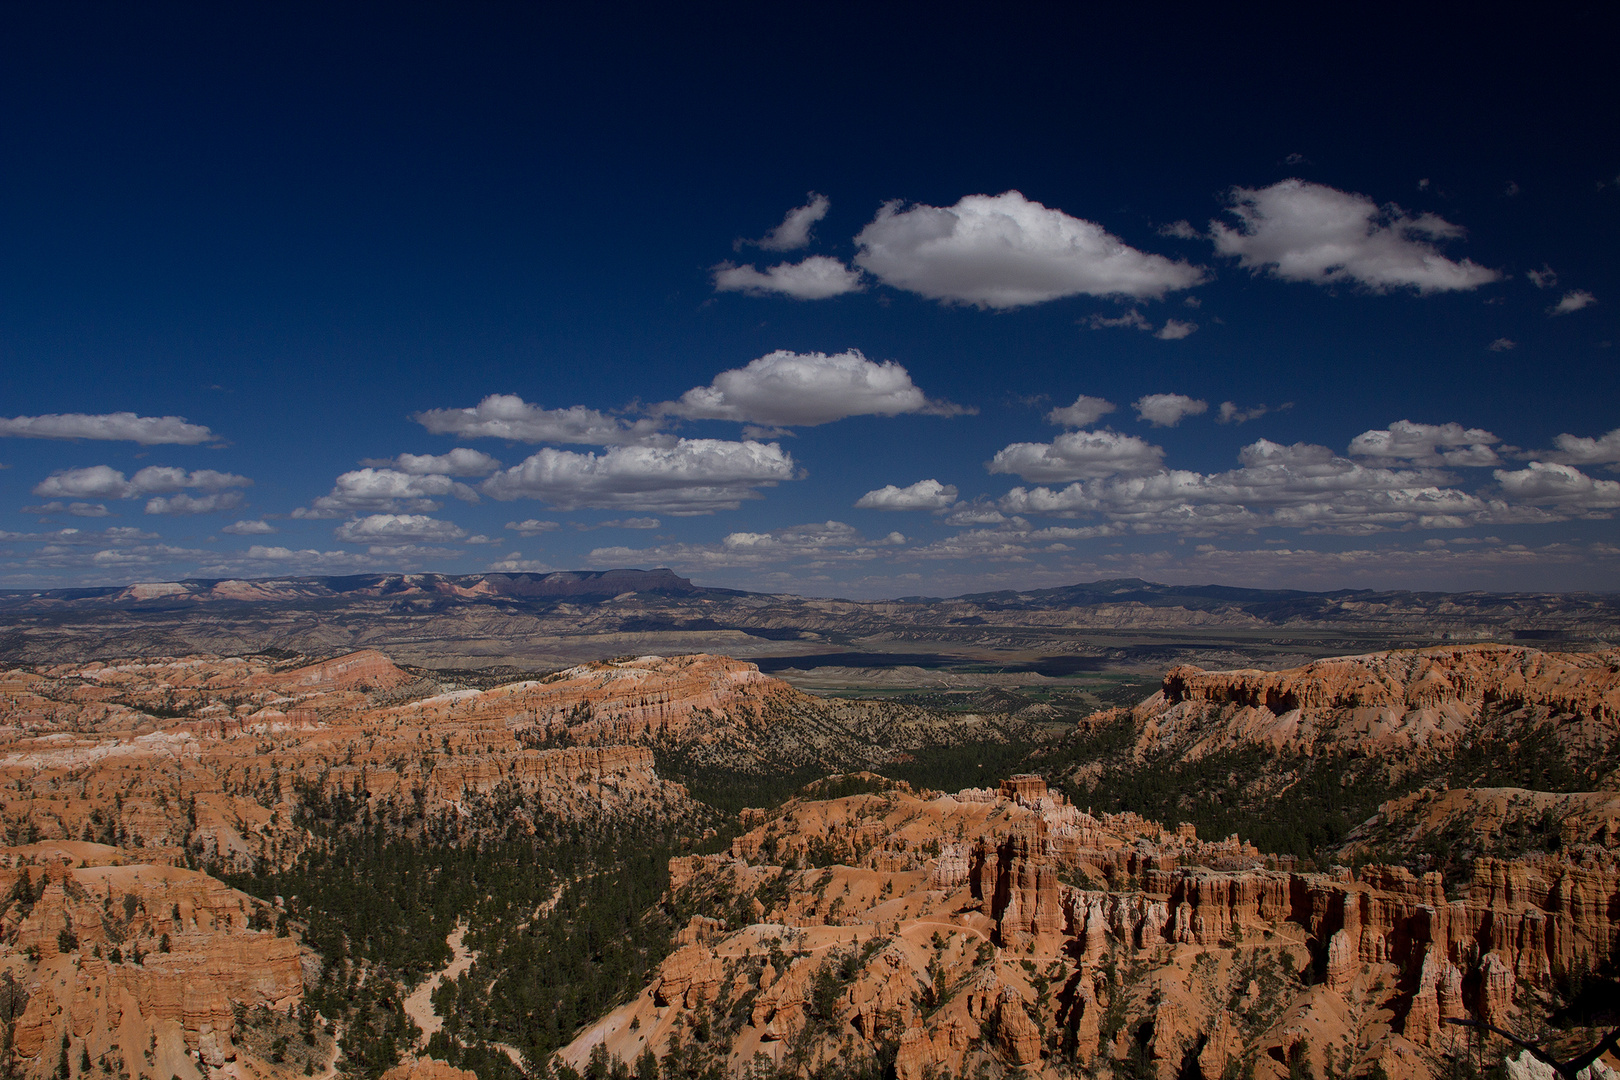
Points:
(1415, 701)
(1008, 947)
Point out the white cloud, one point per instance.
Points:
(114, 427)
(458, 462)
(1543, 278)
(515, 563)
(249, 528)
(387, 528)
(1573, 301)
(975, 513)
(1180, 230)
(632, 523)
(814, 545)
(818, 277)
(163, 479)
(1168, 410)
(1172, 330)
(1006, 251)
(1561, 486)
(1428, 444)
(92, 482)
(1131, 320)
(1584, 450)
(1502, 344)
(74, 509)
(1299, 486)
(507, 416)
(695, 476)
(193, 504)
(1085, 411)
(923, 495)
(806, 389)
(1299, 231)
(794, 232)
(307, 560)
(1232, 414)
(532, 526)
(106, 482)
(371, 490)
(1078, 455)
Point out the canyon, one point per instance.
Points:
(183, 834)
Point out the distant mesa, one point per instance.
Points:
(295, 590)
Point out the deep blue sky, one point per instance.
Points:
(299, 227)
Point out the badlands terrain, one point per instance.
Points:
(265, 862)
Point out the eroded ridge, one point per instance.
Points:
(1009, 928)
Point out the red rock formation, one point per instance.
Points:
(1385, 703)
(1232, 966)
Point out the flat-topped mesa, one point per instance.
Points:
(1384, 703)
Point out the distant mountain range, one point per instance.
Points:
(557, 618)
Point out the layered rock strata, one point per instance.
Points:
(1008, 927)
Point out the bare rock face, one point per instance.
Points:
(135, 954)
(1420, 700)
(1016, 1034)
(1002, 964)
(427, 1069)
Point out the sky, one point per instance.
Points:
(837, 301)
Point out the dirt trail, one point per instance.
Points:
(419, 1005)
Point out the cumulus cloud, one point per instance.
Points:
(1573, 301)
(1078, 455)
(1300, 231)
(1006, 251)
(790, 389)
(532, 526)
(818, 277)
(1172, 330)
(249, 528)
(1544, 483)
(1300, 486)
(631, 523)
(695, 476)
(507, 416)
(1168, 410)
(1428, 444)
(1585, 450)
(815, 545)
(73, 509)
(974, 513)
(391, 528)
(111, 427)
(923, 495)
(106, 482)
(1231, 413)
(1085, 411)
(794, 232)
(458, 462)
(1543, 278)
(1131, 320)
(515, 563)
(1502, 344)
(372, 490)
(184, 503)
(118, 535)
